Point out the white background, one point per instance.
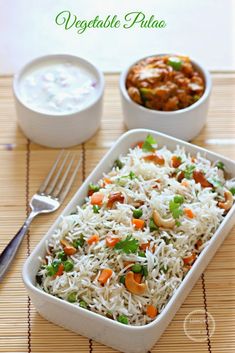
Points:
(204, 29)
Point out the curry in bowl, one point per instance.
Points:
(165, 83)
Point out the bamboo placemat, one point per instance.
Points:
(23, 166)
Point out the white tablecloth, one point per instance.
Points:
(204, 29)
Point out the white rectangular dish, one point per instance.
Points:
(129, 339)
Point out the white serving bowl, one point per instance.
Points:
(184, 124)
(53, 129)
(129, 339)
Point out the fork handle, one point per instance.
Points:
(10, 250)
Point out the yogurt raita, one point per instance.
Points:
(58, 88)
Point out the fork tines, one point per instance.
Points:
(58, 181)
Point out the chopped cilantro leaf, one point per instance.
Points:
(79, 242)
(94, 187)
(220, 165)
(175, 209)
(128, 245)
(232, 190)
(122, 319)
(152, 225)
(188, 172)
(53, 267)
(96, 208)
(132, 175)
(148, 144)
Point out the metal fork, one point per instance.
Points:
(48, 198)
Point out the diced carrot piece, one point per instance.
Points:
(184, 183)
(190, 259)
(111, 241)
(97, 198)
(105, 275)
(107, 181)
(145, 246)
(68, 248)
(175, 161)
(140, 144)
(138, 223)
(194, 159)
(155, 158)
(189, 213)
(151, 311)
(138, 277)
(93, 239)
(59, 271)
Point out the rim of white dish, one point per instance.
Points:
(199, 67)
(62, 56)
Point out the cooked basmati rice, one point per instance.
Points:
(147, 186)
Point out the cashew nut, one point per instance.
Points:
(227, 204)
(133, 286)
(161, 222)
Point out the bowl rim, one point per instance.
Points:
(202, 99)
(17, 76)
(195, 269)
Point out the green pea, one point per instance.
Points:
(72, 297)
(83, 304)
(122, 319)
(96, 208)
(175, 63)
(122, 279)
(68, 266)
(178, 199)
(137, 213)
(137, 268)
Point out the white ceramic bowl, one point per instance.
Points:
(184, 124)
(53, 129)
(130, 339)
